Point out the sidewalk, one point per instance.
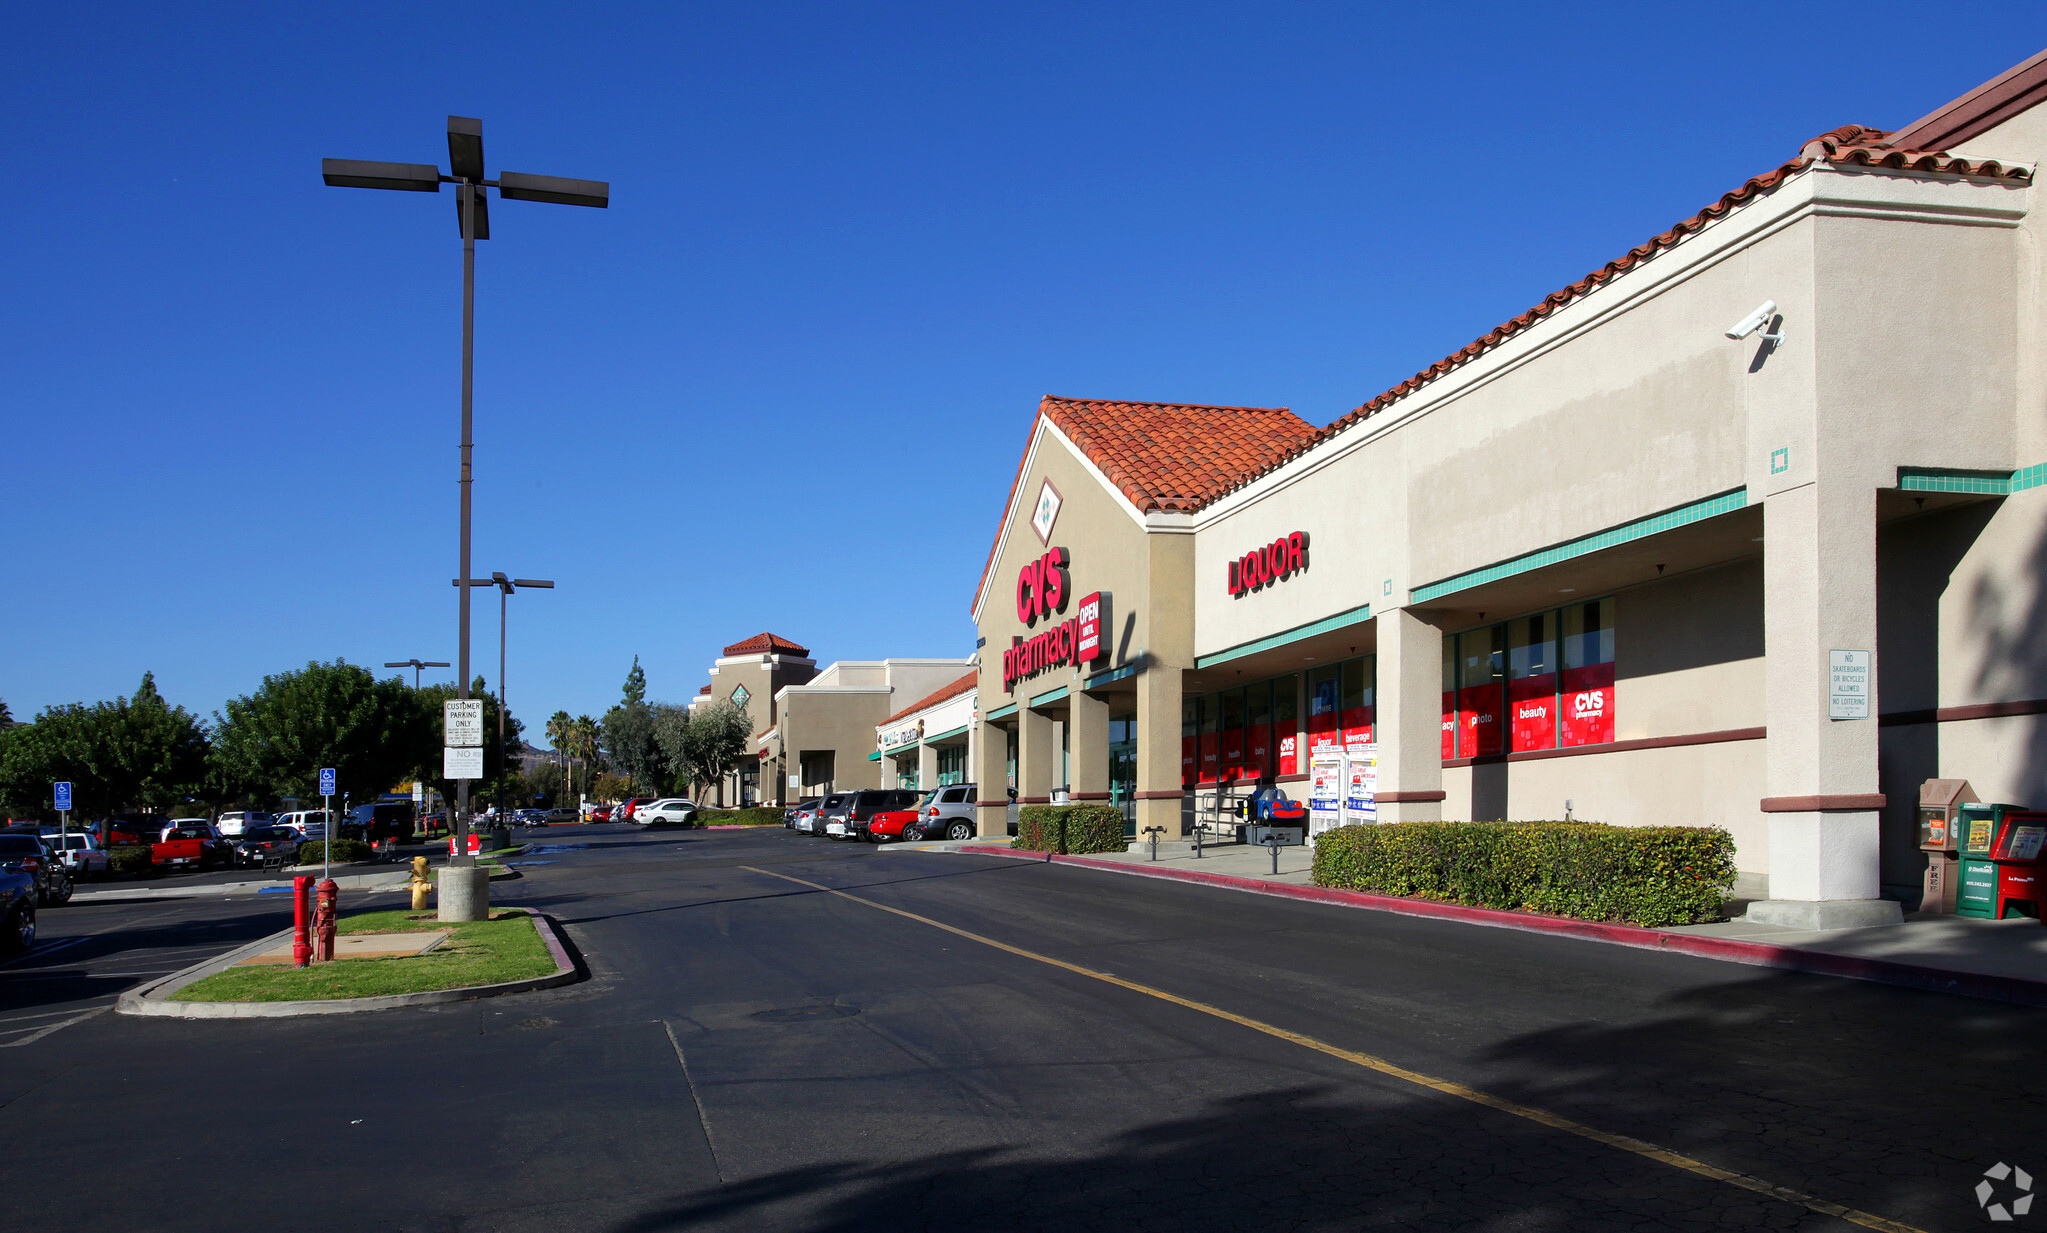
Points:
(2003, 961)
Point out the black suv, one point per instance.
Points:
(378, 821)
(26, 853)
(867, 802)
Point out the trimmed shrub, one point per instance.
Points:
(1642, 875)
(1070, 829)
(130, 860)
(345, 850)
(753, 815)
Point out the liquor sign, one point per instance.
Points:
(1282, 558)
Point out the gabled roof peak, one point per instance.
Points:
(766, 643)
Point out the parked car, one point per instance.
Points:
(17, 911)
(563, 816)
(626, 809)
(270, 847)
(81, 855)
(668, 811)
(28, 854)
(193, 847)
(309, 823)
(813, 820)
(600, 813)
(858, 811)
(235, 821)
(789, 814)
(131, 829)
(950, 812)
(379, 821)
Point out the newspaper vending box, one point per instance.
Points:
(1940, 820)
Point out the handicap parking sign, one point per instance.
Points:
(64, 795)
(326, 781)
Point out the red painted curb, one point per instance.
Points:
(2014, 989)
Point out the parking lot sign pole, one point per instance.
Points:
(62, 792)
(328, 828)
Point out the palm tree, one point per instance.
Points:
(558, 737)
(583, 738)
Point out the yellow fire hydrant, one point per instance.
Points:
(421, 887)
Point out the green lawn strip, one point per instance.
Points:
(505, 947)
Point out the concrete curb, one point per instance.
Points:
(152, 998)
(2013, 989)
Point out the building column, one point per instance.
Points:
(927, 767)
(1036, 756)
(1819, 596)
(1158, 749)
(1087, 743)
(1409, 717)
(989, 759)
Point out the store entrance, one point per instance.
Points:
(1123, 769)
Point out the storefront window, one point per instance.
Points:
(1325, 722)
(1532, 682)
(1190, 741)
(1010, 757)
(952, 765)
(1286, 724)
(1230, 737)
(1358, 686)
(1585, 705)
(906, 771)
(1449, 697)
(1210, 748)
(1481, 702)
(1258, 730)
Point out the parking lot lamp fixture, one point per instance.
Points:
(465, 163)
(416, 665)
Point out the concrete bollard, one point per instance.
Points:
(465, 893)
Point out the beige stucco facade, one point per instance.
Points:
(1876, 481)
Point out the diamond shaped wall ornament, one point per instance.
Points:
(1047, 511)
(739, 695)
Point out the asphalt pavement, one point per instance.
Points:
(780, 1032)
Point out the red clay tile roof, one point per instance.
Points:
(762, 644)
(1980, 110)
(1851, 144)
(1172, 457)
(706, 689)
(953, 690)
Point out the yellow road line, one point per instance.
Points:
(1543, 1117)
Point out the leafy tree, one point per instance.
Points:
(610, 787)
(705, 744)
(131, 753)
(636, 683)
(631, 745)
(272, 743)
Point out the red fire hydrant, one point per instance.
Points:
(301, 912)
(323, 918)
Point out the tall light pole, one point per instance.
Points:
(505, 587)
(416, 665)
(465, 163)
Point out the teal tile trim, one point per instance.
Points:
(1050, 695)
(1641, 528)
(1295, 634)
(1001, 712)
(875, 756)
(1987, 483)
(2029, 477)
(1100, 679)
(940, 736)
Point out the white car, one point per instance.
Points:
(309, 823)
(81, 854)
(668, 811)
(234, 822)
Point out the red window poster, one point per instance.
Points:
(1208, 752)
(1289, 753)
(1478, 714)
(1532, 710)
(1258, 759)
(1586, 705)
(1449, 725)
(1357, 728)
(1325, 735)
(1233, 754)
(1188, 770)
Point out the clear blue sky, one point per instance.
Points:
(783, 382)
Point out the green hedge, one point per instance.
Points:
(1070, 829)
(345, 850)
(753, 815)
(1643, 875)
(130, 860)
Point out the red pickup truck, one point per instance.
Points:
(192, 847)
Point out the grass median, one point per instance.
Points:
(506, 947)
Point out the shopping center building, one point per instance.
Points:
(1746, 528)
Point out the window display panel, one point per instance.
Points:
(1286, 725)
(1481, 700)
(1325, 727)
(1449, 697)
(1357, 703)
(1585, 708)
(1230, 761)
(1209, 747)
(1532, 682)
(1258, 731)
(1190, 738)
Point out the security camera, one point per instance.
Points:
(1756, 321)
